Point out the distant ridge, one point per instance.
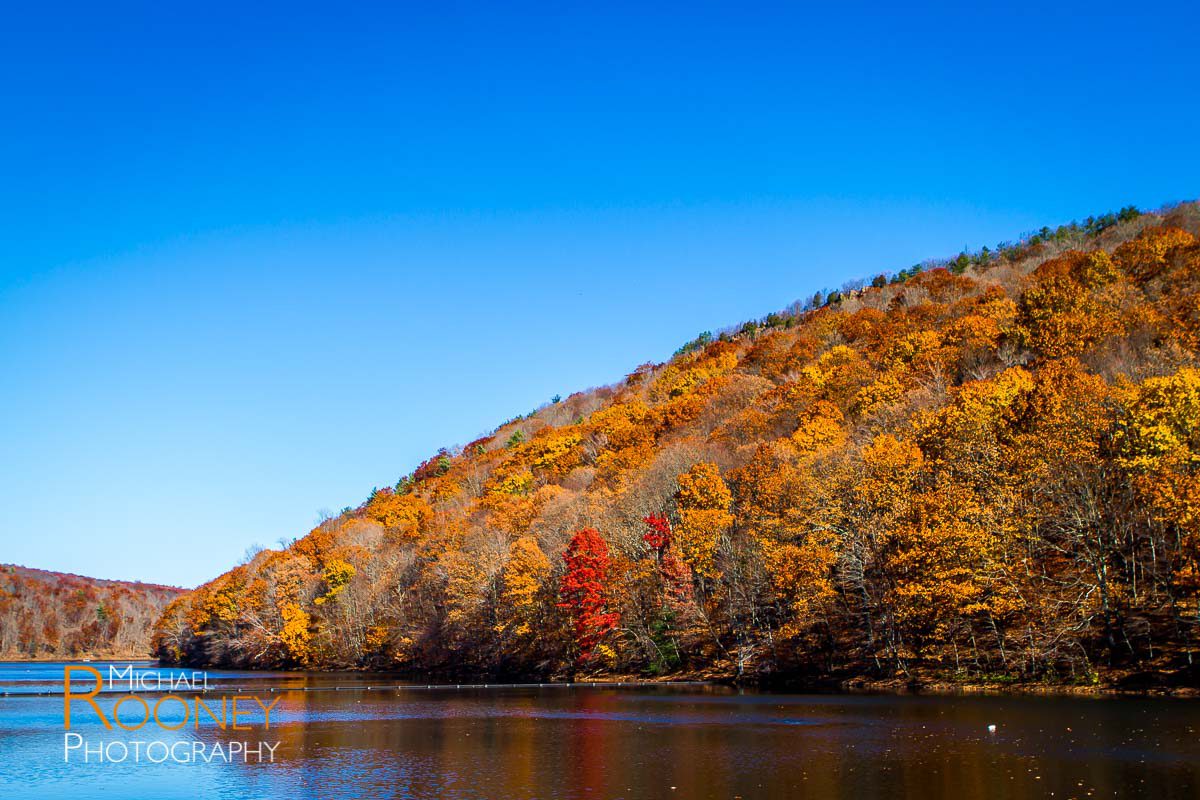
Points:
(48, 574)
(46, 614)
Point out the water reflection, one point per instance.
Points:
(630, 743)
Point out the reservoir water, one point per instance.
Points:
(366, 736)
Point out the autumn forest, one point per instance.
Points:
(979, 470)
(56, 615)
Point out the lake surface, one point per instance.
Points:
(654, 742)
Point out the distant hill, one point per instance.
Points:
(59, 615)
(979, 469)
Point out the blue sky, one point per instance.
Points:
(253, 263)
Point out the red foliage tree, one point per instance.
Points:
(676, 576)
(659, 535)
(582, 594)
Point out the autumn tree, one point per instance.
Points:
(703, 500)
(524, 575)
(582, 593)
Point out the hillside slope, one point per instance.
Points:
(979, 470)
(57, 615)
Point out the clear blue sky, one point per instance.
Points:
(254, 263)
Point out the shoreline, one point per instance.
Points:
(827, 686)
(947, 689)
(79, 659)
(932, 688)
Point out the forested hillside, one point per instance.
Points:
(57, 615)
(983, 469)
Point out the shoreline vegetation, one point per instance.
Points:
(1130, 685)
(861, 685)
(977, 472)
(1123, 683)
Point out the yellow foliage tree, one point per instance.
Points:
(1159, 442)
(337, 575)
(295, 635)
(526, 571)
(703, 500)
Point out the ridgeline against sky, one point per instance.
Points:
(987, 469)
